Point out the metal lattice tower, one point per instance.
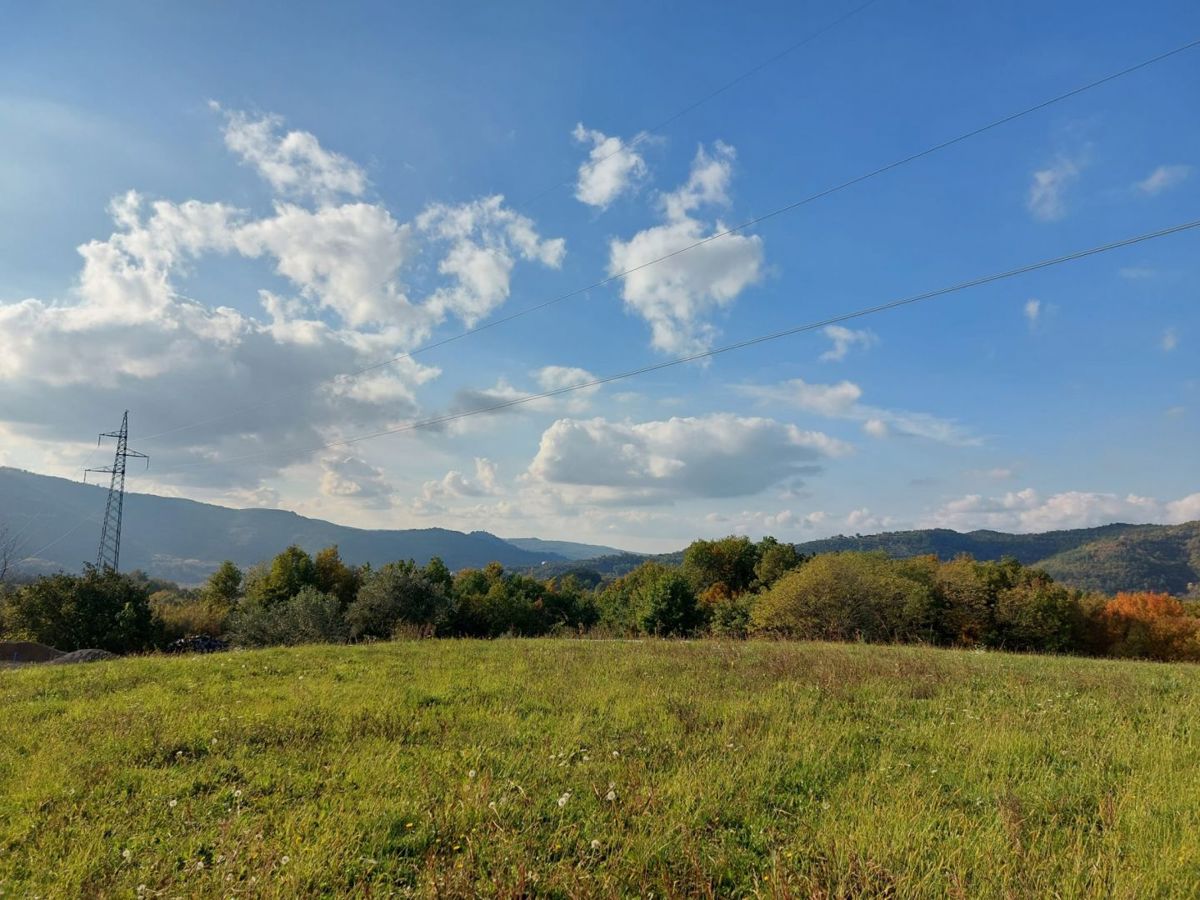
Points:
(109, 553)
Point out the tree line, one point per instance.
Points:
(729, 588)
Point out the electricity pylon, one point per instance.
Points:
(109, 553)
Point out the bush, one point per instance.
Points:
(668, 606)
(396, 594)
(1150, 626)
(100, 608)
(310, 617)
(1037, 615)
(847, 596)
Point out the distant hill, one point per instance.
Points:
(564, 549)
(58, 521)
(1109, 558)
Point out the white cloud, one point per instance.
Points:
(352, 478)
(718, 455)
(844, 339)
(613, 167)
(294, 163)
(343, 258)
(841, 401)
(485, 238)
(1163, 178)
(1029, 511)
(876, 428)
(1047, 192)
(1033, 311)
(1170, 340)
(127, 337)
(455, 484)
(677, 295)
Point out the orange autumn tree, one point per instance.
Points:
(1151, 626)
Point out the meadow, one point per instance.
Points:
(569, 768)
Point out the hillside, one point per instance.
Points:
(565, 549)
(182, 540)
(1150, 557)
(1109, 558)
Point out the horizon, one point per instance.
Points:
(215, 247)
(507, 538)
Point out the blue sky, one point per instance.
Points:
(320, 188)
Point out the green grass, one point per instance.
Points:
(734, 769)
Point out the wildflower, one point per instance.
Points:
(616, 753)
(595, 844)
(492, 806)
(562, 801)
(199, 864)
(213, 742)
(586, 758)
(172, 803)
(285, 860)
(126, 853)
(471, 774)
(611, 796)
(408, 824)
(238, 793)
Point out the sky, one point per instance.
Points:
(214, 215)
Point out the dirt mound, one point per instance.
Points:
(27, 652)
(83, 656)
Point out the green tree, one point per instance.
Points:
(290, 571)
(847, 596)
(332, 576)
(307, 617)
(100, 608)
(224, 586)
(774, 561)
(395, 594)
(668, 606)
(729, 561)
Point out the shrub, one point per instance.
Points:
(1037, 615)
(309, 617)
(100, 608)
(846, 596)
(181, 616)
(395, 594)
(668, 606)
(1149, 625)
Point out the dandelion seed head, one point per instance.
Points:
(562, 801)
(172, 803)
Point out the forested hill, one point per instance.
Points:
(946, 544)
(1110, 558)
(57, 523)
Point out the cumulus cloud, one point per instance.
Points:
(718, 455)
(484, 239)
(677, 295)
(1163, 178)
(293, 162)
(841, 401)
(455, 484)
(1047, 192)
(1027, 511)
(349, 477)
(128, 337)
(843, 339)
(612, 168)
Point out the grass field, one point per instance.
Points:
(580, 768)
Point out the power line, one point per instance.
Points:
(743, 344)
(804, 201)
